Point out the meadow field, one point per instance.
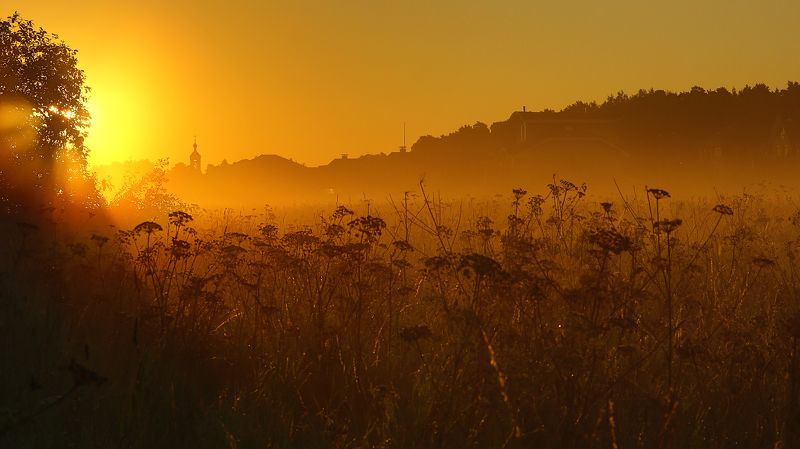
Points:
(548, 318)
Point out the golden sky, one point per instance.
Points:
(312, 79)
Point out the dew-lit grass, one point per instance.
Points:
(546, 319)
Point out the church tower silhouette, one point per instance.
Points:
(194, 158)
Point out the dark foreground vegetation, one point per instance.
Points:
(565, 324)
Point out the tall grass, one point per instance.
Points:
(548, 320)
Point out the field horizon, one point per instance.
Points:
(610, 274)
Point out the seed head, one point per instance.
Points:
(723, 209)
(179, 218)
(148, 227)
(403, 245)
(658, 193)
(610, 240)
(101, 240)
(667, 226)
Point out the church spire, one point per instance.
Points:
(194, 158)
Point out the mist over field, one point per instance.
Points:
(700, 143)
(608, 274)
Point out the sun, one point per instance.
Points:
(117, 121)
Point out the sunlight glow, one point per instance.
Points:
(16, 123)
(67, 114)
(118, 116)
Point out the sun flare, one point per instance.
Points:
(117, 118)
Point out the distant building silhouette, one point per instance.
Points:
(194, 158)
(530, 129)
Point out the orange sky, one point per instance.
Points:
(312, 79)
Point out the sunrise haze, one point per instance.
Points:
(311, 80)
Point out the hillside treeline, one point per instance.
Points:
(753, 122)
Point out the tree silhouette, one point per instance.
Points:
(753, 124)
(43, 119)
(146, 196)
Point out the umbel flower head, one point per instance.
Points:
(667, 226)
(147, 227)
(610, 240)
(658, 193)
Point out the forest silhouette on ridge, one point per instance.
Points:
(702, 140)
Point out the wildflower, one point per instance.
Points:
(180, 248)
(269, 232)
(302, 239)
(369, 227)
(378, 269)
(124, 237)
(333, 230)
(237, 236)
(723, 209)
(101, 240)
(535, 204)
(566, 185)
(403, 245)
(444, 231)
(606, 206)
(179, 218)
(232, 250)
(658, 193)
(354, 250)
(435, 263)
(401, 264)
(329, 249)
(515, 222)
(148, 227)
(479, 264)
(610, 240)
(341, 212)
(484, 227)
(667, 226)
(795, 218)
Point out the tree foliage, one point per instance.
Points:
(146, 195)
(754, 122)
(43, 119)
